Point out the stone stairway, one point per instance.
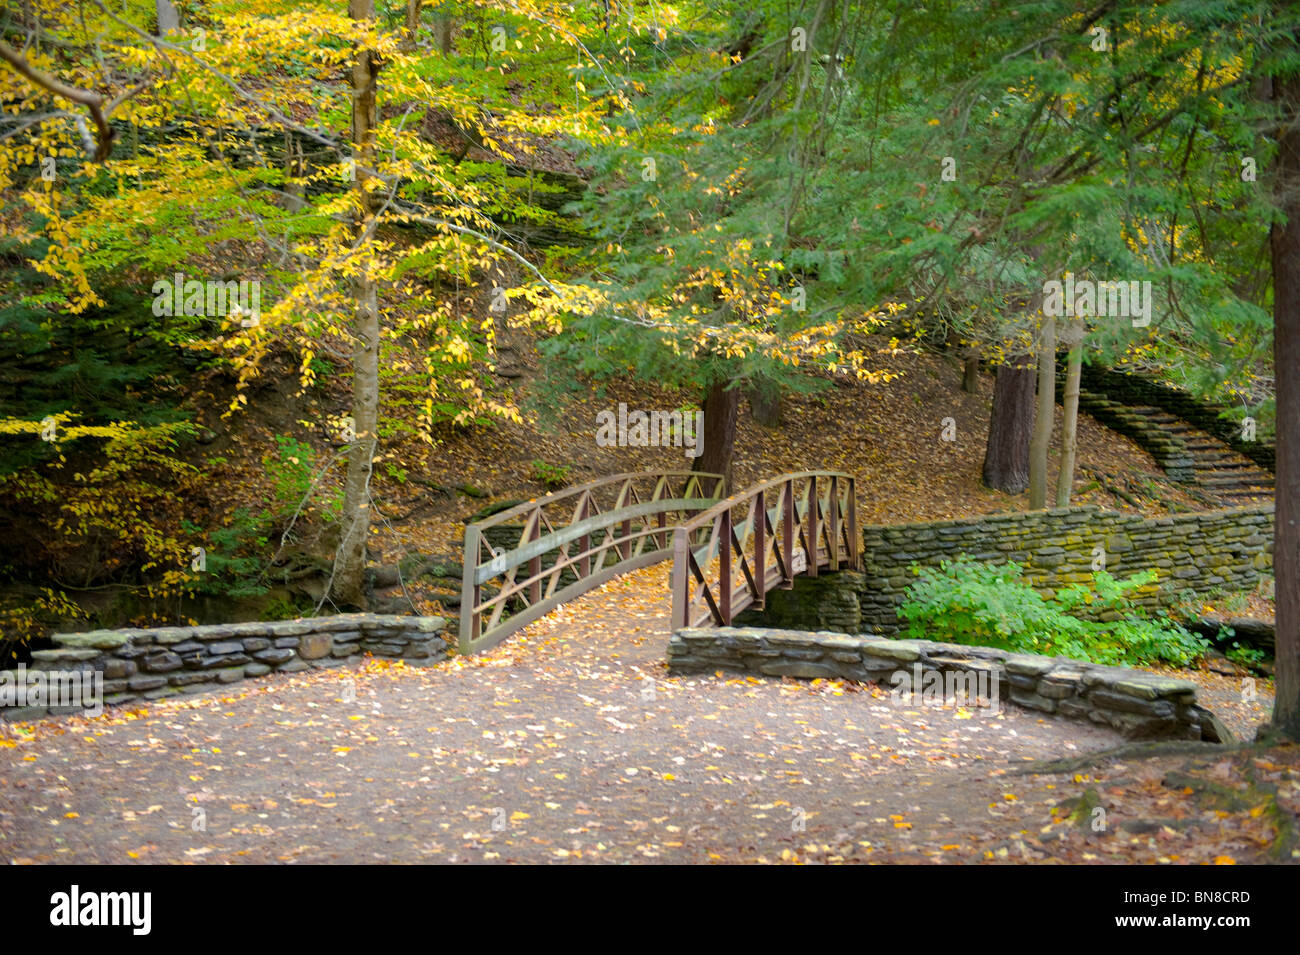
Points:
(1190, 440)
(1220, 471)
(1188, 454)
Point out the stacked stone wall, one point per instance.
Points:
(152, 663)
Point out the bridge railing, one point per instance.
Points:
(728, 557)
(542, 553)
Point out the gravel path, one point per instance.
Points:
(569, 742)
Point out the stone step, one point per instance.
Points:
(1220, 485)
(1235, 467)
(1252, 478)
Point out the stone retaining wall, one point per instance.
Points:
(153, 663)
(1138, 705)
(1195, 552)
(830, 601)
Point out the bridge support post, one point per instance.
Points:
(833, 524)
(470, 591)
(535, 565)
(680, 580)
(758, 514)
(813, 533)
(724, 566)
(787, 534)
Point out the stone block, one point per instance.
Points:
(894, 650)
(275, 655)
(65, 655)
(316, 645)
(115, 669)
(162, 662)
(798, 668)
(145, 682)
(1031, 700)
(190, 678)
(98, 639)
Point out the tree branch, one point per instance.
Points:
(92, 101)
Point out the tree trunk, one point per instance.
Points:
(970, 379)
(1006, 456)
(444, 29)
(412, 24)
(347, 588)
(720, 410)
(765, 402)
(1044, 415)
(1285, 241)
(293, 195)
(1070, 422)
(168, 17)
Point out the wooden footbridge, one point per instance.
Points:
(727, 553)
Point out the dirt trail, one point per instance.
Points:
(569, 742)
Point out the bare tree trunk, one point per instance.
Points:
(412, 24)
(1006, 456)
(1045, 413)
(970, 379)
(1285, 240)
(347, 588)
(294, 193)
(721, 407)
(168, 18)
(444, 31)
(766, 402)
(1070, 423)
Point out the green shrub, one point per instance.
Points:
(1242, 654)
(235, 555)
(293, 470)
(963, 601)
(554, 476)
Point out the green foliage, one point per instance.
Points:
(238, 552)
(554, 476)
(26, 615)
(294, 473)
(290, 471)
(964, 601)
(235, 555)
(1240, 653)
(280, 609)
(322, 369)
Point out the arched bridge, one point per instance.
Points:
(727, 553)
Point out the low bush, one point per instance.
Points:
(964, 601)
